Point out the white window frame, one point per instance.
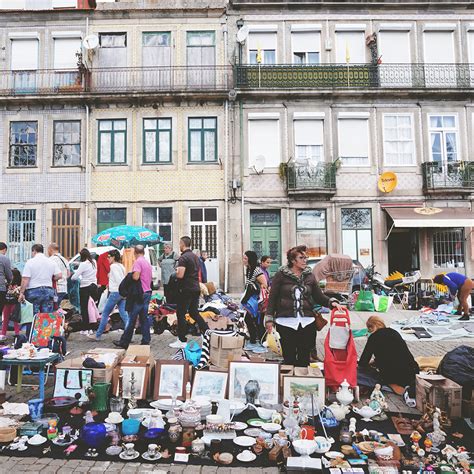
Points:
(385, 160)
(203, 224)
(443, 132)
(269, 30)
(293, 51)
(258, 117)
(354, 116)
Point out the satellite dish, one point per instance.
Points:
(387, 182)
(259, 164)
(242, 34)
(90, 42)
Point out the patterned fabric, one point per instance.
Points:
(45, 327)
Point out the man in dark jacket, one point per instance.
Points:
(202, 265)
(5, 274)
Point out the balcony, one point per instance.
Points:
(117, 81)
(454, 177)
(354, 76)
(305, 179)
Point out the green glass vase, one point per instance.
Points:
(101, 396)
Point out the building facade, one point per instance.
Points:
(329, 98)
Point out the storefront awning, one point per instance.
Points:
(448, 217)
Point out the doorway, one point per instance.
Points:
(265, 236)
(403, 250)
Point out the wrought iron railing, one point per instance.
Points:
(444, 176)
(320, 177)
(117, 80)
(355, 76)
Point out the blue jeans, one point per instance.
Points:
(141, 311)
(113, 300)
(41, 298)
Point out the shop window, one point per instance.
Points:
(448, 248)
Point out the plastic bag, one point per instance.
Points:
(26, 313)
(365, 301)
(94, 315)
(382, 303)
(102, 301)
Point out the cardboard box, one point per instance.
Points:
(103, 375)
(444, 394)
(224, 349)
(140, 357)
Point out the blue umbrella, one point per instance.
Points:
(126, 236)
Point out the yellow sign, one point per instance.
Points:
(387, 182)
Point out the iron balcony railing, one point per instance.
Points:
(311, 178)
(353, 76)
(117, 80)
(457, 176)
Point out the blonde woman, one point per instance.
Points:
(386, 359)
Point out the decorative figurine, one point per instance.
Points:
(415, 439)
(252, 391)
(379, 397)
(132, 402)
(344, 395)
(352, 425)
(53, 428)
(438, 436)
(89, 418)
(428, 444)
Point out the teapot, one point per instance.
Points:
(344, 395)
(339, 411)
(366, 412)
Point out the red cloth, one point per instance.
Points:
(103, 269)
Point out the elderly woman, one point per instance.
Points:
(293, 295)
(392, 365)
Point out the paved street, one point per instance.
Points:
(78, 343)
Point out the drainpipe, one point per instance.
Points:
(241, 147)
(226, 177)
(87, 180)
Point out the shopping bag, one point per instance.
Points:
(15, 317)
(102, 301)
(365, 301)
(94, 315)
(26, 313)
(70, 382)
(382, 303)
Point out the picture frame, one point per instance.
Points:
(210, 383)
(171, 377)
(267, 374)
(294, 386)
(140, 381)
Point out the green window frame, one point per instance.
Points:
(157, 141)
(112, 136)
(202, 139)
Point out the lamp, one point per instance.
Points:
(240, 22)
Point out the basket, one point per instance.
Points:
(7, 434)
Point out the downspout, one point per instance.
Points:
(88, 180)
(241, 146)
(226, 177)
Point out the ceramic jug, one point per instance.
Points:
(344, 394)
(101, 396)
(174, 430)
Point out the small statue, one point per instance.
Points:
(52, 429)
(252, 391)
(379, 397)
(415, 439)
(132, 402)
(89, 418)
(438, 436)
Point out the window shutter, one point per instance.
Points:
(439, 47)
(308, 132)
(352, 42)
(65, 50)
(264, 140)
(395, 47)
(259, 40)
(306, 41)
(24, 54)
(353, 138)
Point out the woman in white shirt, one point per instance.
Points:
(116, 275)
(86, 273)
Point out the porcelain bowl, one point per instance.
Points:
(305, 447)
(322, 444)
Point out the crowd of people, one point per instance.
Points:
(284, 303)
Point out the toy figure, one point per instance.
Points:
(428, 444)
(415, 439)
(379, 397)
(53, 429)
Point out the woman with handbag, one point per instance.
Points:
(293, 294)
(12, 305)
(255, 283)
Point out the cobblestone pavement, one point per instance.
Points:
(78, 343)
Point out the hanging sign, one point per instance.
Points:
(387, 182)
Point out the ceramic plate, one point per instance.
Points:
(123, 455)
(39, 442)
(257, 422)
(249, 457)
(113, 450)
(426, 376)
(271, 427)
(240, 425)
(165, 404)
(146, 456)
(253, 432)
(244, 441)
(334, 454)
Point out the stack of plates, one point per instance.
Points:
(165, 404)
(205, 405)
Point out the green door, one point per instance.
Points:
(265, 236)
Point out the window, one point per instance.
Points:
(107, 218)
(399, 148)
(262, 48)
(264, 143)
(308, 141)
(443, 138)
(112, 50)
(354, 141)
(306, 47)
(204, 229)
(23, 144)
(157, 140)
(357, 234)
(159, 220)
(394, 47)
(156, 59)
(112, 141)
(67, 143)
(439, 47)
(200, 52)
(311, 231)
(350, 47)
(65, 50)
(24, 63)
(448, 248)
(66, 230)
(21, 234)
(202, 139)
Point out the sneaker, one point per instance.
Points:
(93, 337)
(178, 344)
(167, 332)
(464, 318)
(83, 333)
(118, 344)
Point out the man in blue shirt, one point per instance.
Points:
(459, 285)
